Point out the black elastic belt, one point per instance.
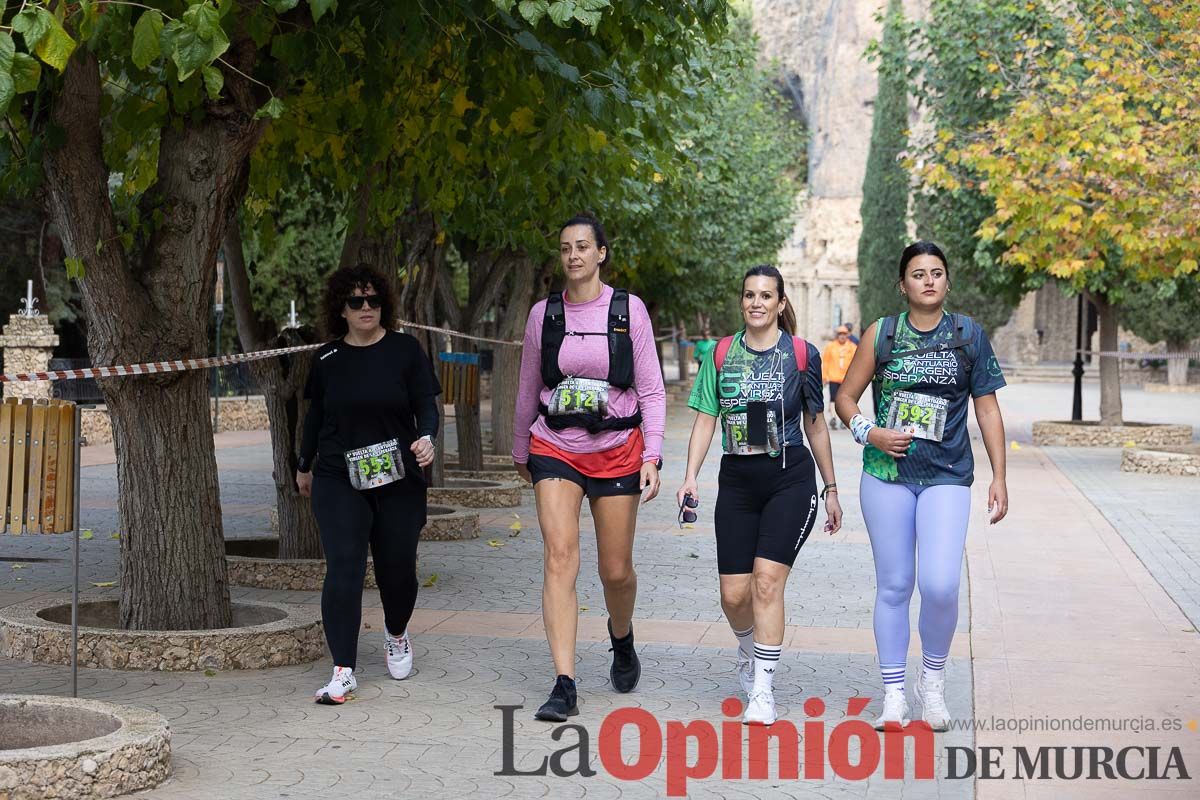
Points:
(591, 421)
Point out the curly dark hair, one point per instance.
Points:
(342, 284)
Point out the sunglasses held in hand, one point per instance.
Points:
(372, 300)
(686, 515)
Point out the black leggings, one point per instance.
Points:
(390, 519)
(764, 510)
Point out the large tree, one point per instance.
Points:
(954, 53)
(1093, 171)
(141, 133)
(885, 185)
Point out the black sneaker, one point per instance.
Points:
(626, 669)
(562, 702)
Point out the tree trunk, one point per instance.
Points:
(680, 356)
(1110, 367)
(423, 259)
(152, 305)
(1177, 368)
(282, 381)
(506, 365)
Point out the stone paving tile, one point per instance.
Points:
(1151, 514)
(259, 735)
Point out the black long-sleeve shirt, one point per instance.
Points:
(360, 396)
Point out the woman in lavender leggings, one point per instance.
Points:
(918, 468)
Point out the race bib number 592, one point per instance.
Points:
(922, 415)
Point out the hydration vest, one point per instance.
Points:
(620, 361)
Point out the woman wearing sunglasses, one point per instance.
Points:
(764, 385)
(368, 434)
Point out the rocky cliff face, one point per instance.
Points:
(819, 47)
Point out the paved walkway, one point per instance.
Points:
(1061, 619)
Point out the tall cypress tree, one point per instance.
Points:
(885, 187)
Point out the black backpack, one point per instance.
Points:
(620, 360)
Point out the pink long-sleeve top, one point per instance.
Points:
(587, 357)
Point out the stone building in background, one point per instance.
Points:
(818, 47)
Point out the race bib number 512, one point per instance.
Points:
(579, 396)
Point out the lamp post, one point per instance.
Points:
(1077, 371)
(219, 311)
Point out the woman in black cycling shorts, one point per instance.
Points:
(764, 384)
(370, 429)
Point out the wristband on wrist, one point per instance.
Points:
(829, 487)
(860, 426)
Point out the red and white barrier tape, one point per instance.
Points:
(151, 368)
(1138, 356)
(184, 364)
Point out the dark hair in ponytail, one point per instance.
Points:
(787, 317)
(589, 219)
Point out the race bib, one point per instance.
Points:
(922, 415)
(579, 396)
(376, 465)
(737, 435)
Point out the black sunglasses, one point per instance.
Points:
(356, 302)
(686, 515)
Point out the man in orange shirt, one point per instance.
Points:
(834, 363)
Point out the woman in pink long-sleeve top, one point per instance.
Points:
(590, 417)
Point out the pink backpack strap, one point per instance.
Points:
(721, 351)
(801, 348)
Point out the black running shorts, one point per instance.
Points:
(543, 467)
(764, 510)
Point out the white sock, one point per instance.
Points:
(745, 641)
(766, 659)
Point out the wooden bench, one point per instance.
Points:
(37, 466)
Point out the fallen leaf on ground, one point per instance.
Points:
(104, 584)
(210, 673)
(18, 566)
(583, 608)
(430, 581)
(495, 543)
(115, 536)
(85, 534)
(692, 555)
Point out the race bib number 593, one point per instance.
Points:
(375, 465)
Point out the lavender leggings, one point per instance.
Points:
(904, 521)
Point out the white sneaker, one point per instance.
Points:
(895, 709)
(760, 710)
(745, 671)
(932, 694)
(399, 655)
(340, 687)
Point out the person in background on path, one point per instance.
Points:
(924, 366)
(367, 437)
(703, 346)
(834, 363)
(850, 333)
(764, 385)
(589, 422)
